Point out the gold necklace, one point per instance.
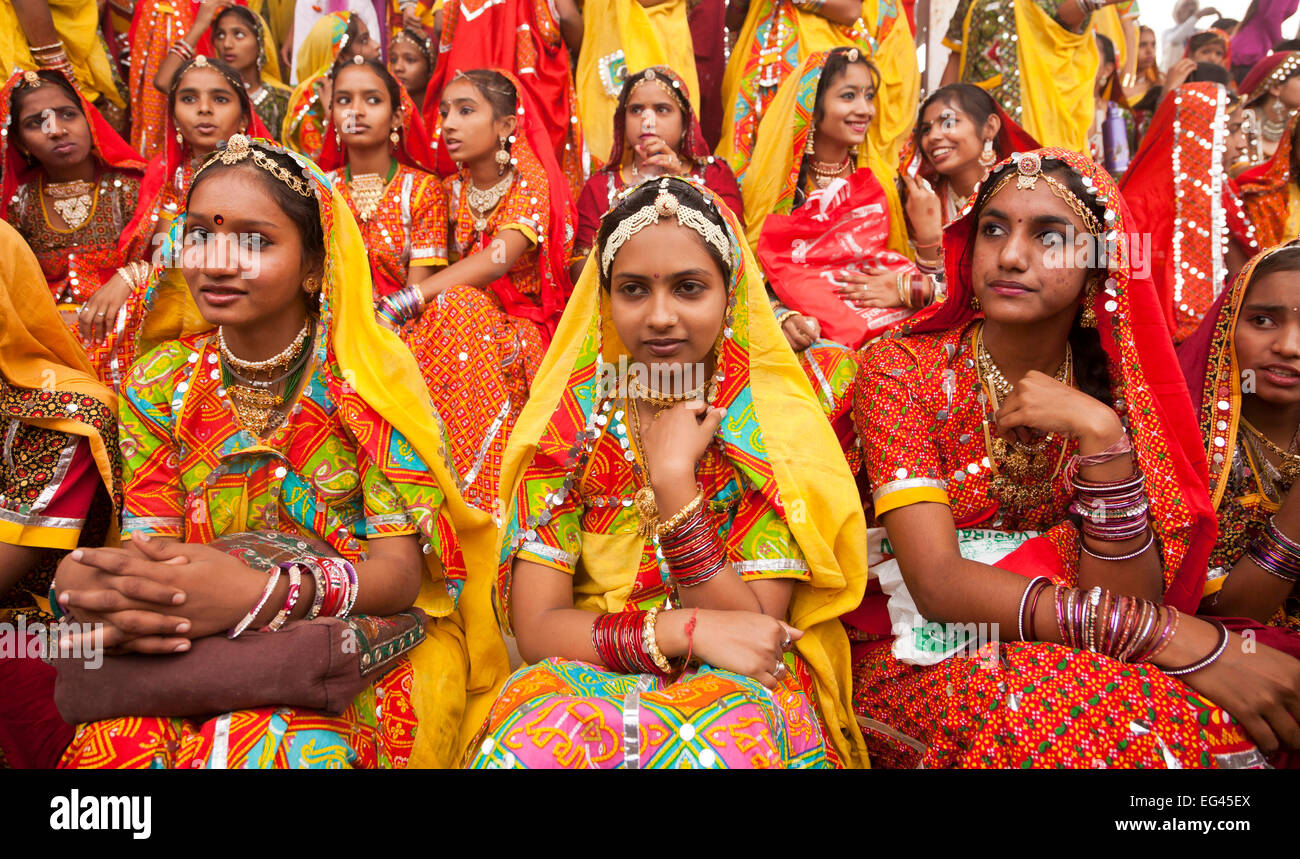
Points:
(647, 509)
(483, 200)
(824, 173)
(661, 401)
(367, 191)
(72, 200)
(1018, 469)
(1288, 467)
(275, 362)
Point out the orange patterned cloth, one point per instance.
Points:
(155, 26)
(377, 730)
(408, 227)
(1268, 191)
(920, 412)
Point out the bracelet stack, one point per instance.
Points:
(336, 592)
(691, 546)
(1276, 553)
(620, 641)
(135, 273)
(401, 307)
(1112, 512)
(1127, 629)
(53, 56)
(915, 290)
(182, 49)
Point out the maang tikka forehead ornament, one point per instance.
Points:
(238, 148)
(1028, 172)
(665, 205)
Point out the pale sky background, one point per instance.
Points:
(1159, 14)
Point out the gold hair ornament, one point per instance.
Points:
(665, 206)
(1029, 169)
(238, 148)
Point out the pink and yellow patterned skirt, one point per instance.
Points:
(573, 715)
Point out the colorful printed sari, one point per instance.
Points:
(1039, 71)
(777, 39)
(569, 473)
(600, 191)
(361, 455)
(920, 415)
(77, 262)
(1270, 194)
(1244, 489)
(472, 39)
(60, 483)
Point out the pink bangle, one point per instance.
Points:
(272, 579)
(290, 599)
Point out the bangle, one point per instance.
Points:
(904, 285)
(271, 580)
(651, 644)
(780, 320)
(182, 49)
(1024, 598)
(682, 515)
(1220, 646)
(1151, 539)
(55, 609)
(318, 599)
(1115, 451)
(920, 296)
(290, 599)
(928, 245)
(56, 45)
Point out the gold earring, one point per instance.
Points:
(502, 158)
(975, 303)
(180, 140)
(1088, 318)
(808, 148)
(393, 136)
(311, 285)
(988, 157)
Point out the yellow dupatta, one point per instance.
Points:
(888, 43)
(767, 186)
(38, 352)
(621, 37)
(817, 492)
(1058, 70)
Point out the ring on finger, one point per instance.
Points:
(102, 313)
(780, 670)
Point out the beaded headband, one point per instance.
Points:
(1029, 169)
(201, 62)
(665, 206)
(650, 76)
(239, 148)
(405, 35)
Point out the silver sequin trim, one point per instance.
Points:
(742, 567)
(544, 551)
(908, 483)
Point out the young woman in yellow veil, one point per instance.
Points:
(778, 35)
(675, 549)
(295, 415)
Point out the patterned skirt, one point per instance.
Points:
(572, 715)
(478, 364)
(1036, 704)
(376, 731)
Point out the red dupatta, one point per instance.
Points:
(413, 147)
(534, 163)
(173, 166)
(1181, 153)
(1144, 375)
(523, 37)
(107, 146)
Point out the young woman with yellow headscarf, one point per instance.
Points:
(778, 35)
(60, 485)
(658, 524)
(297, 415)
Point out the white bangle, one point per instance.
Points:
(271, 580)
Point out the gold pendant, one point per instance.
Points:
(74, 211)
(647, 511)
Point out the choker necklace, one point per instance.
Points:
(823, 172)
(270, 365)
(483, 200)
(72, 200)
(636, 390)
(1019, 479)
(1270, 129)
(255, 403)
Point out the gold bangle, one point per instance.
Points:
(681, 515)
(651, 644)
(904, 283)
(780, 320)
